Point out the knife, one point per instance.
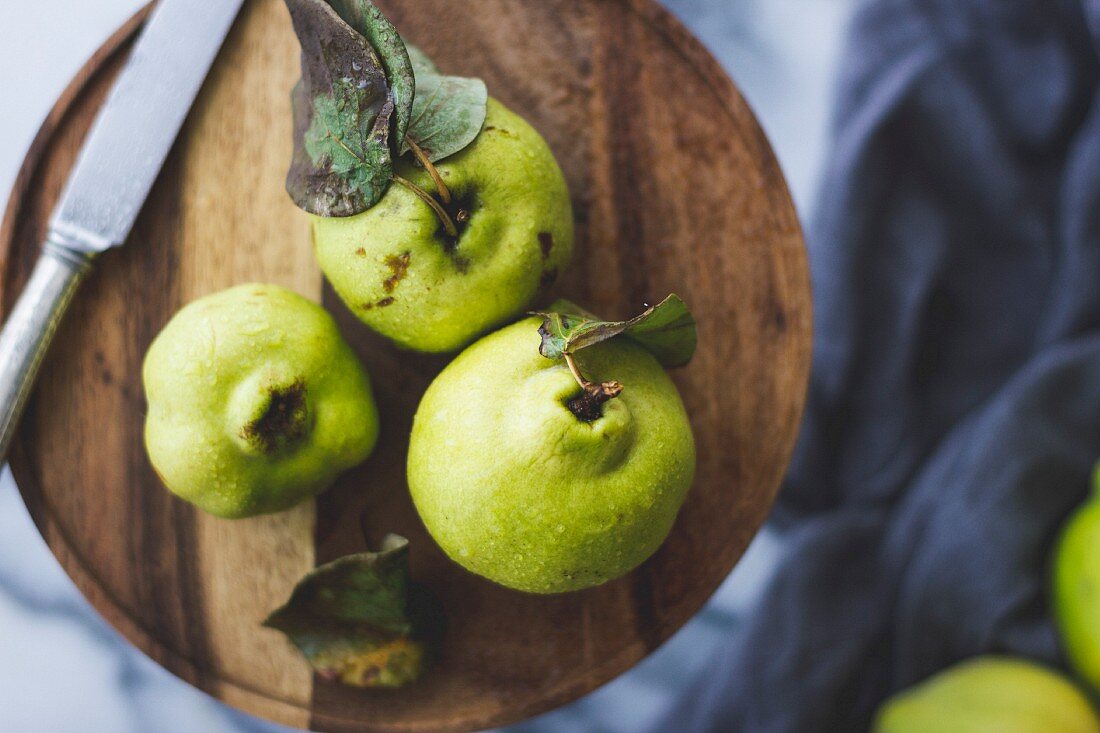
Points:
(120, 159)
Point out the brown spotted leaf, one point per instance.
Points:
(359, 621)
(365, 17)
(667, 330)
(353, 101)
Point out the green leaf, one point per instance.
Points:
(342, 116)
(359, 621)
(448, 111)
(667, 330)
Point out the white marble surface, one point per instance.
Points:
(63, 669)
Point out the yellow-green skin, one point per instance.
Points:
(215, 378)
(517, 489)
(1077, 589)
(990, 695)
(391, 265)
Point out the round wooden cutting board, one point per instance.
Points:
(675, 189)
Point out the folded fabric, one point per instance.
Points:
(954, 409)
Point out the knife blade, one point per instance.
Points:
(115, 170)
(144, 111)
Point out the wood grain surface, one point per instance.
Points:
(675, 189)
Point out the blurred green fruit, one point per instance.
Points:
(396, 268)
(516, 488)
(1077, 588)
(990, 695)
(256, 402)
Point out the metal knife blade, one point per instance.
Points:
(139, 122)
(116, 168)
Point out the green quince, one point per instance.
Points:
(517, 487)
(399, 270)
(987, 695)
(1077, 588)
(256, 402)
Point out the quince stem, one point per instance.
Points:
(588, 407)
(444, 192)
(448, 222)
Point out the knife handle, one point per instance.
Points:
(31, 326)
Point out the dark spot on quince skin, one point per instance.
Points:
(501, 130)
(283, 422)
(546, 244)
(384, 302)
(399, 267)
